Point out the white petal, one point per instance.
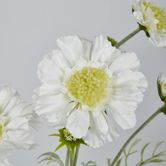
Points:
(100, 122)
(21, 123)
(55, 116)
(53, 109)
(87, 48)
(22, 109)
(78, 123)
(158, 39)
(49, 72)
(20, 139)
(59, 59)
(72, 48)
(124, 114)
(94, 138)
(102, 50)
(5, 162)
(126, 61)
(132, 79)
(6, 94)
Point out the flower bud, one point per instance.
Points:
(161, 83)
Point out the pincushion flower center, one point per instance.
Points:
(1, 130)
(159, 14)
(68, 136)
(89, 86)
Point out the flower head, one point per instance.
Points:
(66, 139)
(153, 18)
(14, 123)
(89, 88)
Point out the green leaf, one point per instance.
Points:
(158, 161)
(50, 157)
(157, 147)
(133, 145)
(156, 157)
(59, 146)
(55, 135)
(143, 150)
(89, 163)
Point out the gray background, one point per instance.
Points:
(29, 29)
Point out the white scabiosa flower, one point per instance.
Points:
(153, 18)
(14, 124)
(90, 88)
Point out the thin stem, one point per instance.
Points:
(67, 157)
(76, 155)
(153, 116)
(71, 158)
(124, 40)
(126, 160)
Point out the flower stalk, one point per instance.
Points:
(71, 159)
(76, 155)
(128, 37)
(67, 157)
(152, 117)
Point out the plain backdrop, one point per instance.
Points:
(28, 31)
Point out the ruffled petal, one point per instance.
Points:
(78, 123)
(102, 50)
(6, 93)
(124, 114)
(74, 49)
(49, 72)
(127, 61)
(100, 122)
(96, 137)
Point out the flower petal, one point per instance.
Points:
(100, 122)
(48, 71)
(102, 50)
(72, 48)
(6, 94)
(78, 123)
(127, 61)
(124, 114)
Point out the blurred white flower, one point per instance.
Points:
(153, 18)
(4, 162)
(14, 124)
(90, 88)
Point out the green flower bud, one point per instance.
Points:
(161, 83)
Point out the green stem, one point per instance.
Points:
(71, 158)
(76, 155)
(153, 116)
(67, 157)
(128, 37)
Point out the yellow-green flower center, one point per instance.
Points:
(159, 14)
(164, 89)
(1, 130)
(68, 135)
(89, 86)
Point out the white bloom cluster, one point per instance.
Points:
(14, 124)
(153, 18)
